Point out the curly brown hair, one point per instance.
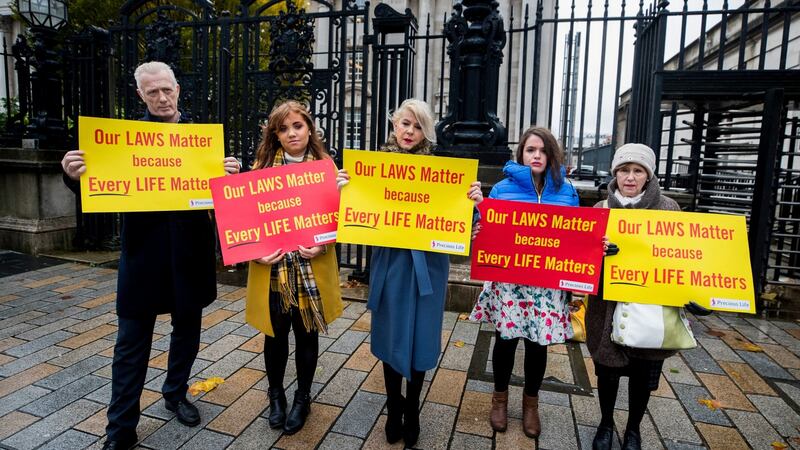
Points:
(269, 145)
(555, 155)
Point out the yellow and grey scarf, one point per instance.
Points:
(294, 275)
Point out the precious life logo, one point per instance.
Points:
(201, 203)
(322, 237)
(576, 285)
(449, 246)
(730, 303)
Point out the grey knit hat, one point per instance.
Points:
(635, 153)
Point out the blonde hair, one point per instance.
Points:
(422, 112)
(152, 68)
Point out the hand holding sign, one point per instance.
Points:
(232, 165)
(73, 164)
(272, 258)
(310, 252)
(342, 179)
(475, 193)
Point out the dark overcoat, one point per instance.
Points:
(600, 312)
(167, 263)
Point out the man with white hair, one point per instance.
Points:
(167, 265)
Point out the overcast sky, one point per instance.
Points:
(611, 56)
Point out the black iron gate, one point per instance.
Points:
(736, 104)
(234, 67)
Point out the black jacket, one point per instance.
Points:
(168, 261)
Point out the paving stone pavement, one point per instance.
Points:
(739, 389)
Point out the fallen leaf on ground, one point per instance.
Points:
(205, 386)
(713, 405)
(674, 370)
(715, 333)
(463, 316)
(458, 344)
(752, 347)
(778, 445)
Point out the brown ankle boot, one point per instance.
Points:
(498, 416)
(531, 424)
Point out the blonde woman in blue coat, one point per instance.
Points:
(407, 291)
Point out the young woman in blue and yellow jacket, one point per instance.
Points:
(539, 316)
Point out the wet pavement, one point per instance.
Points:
(740, 388)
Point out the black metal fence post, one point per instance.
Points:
(90, 87)
(637, 88)
(471, 127)
(655, 118)
(225, 57)
(762, 214)
(392, 70)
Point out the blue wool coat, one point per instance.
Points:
(406, 297)
(518, 186)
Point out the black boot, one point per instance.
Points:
(394, 421)
(411, 422)
(632, 440)
(394, 404)
(297, 416)
(411, 409)
(277, 407)
(604, 438)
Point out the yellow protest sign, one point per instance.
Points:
(670, 258)
(407, 201)
(133, 165)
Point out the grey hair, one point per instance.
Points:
(422, 112)
(153, 67)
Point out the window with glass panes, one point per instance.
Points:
(353, 128)
(356, 61)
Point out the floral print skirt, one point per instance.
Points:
(538, 314)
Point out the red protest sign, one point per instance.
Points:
(282, 207)
(550, 246)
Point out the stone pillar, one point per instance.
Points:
(37, 211)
